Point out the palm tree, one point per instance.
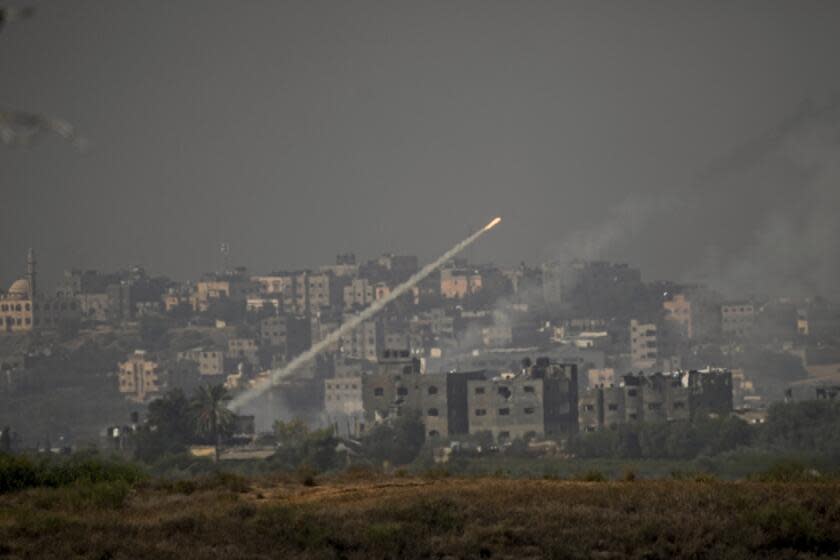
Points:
(211, 414)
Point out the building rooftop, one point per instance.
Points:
(20, 288)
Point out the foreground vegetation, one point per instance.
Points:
(711, 488)
(369, 515)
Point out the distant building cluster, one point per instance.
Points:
(456, 349)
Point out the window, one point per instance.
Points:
(528, 388)
(402, 391)
(504, 392)
(504, 412)
(529, 410)
(589, 407)
(480, 412)
(679, 405)
(631, 392)
(433, 390)
(432, 412)
(479, 390)
(378, 392)
(433, 433)
(612, 406)
(654, 406)
(329, 386)
(504, 435)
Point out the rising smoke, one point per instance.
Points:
(792, 249)
(335, 336)
(781, 243)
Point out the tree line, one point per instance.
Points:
(807, 427)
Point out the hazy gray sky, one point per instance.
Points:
(296, 130)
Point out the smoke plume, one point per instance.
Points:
(346, 328)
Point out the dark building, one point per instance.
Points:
(710, 391)
(298, 336)
(119, 302)
(456, 403)
(560, 396)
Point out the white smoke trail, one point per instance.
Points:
(370, 312)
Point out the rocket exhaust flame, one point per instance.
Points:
(493, 223)
(331, 339)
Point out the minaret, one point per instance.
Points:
(30, 272)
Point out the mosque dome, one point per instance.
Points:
(20, 288)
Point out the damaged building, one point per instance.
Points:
(540, 400)
(656, 397)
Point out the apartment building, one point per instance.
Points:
(140, 377)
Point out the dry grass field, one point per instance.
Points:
(393, 517)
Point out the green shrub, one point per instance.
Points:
(88, 469)
(592, 476)
(224, 480)
(83, 496)
(787, 471)
(438, 515)
(383, 536)
(306, 475)
(21, 472)
(285, 524)
(789, 526)
(17, 473)
(436, 473)
(704, 477)
(244, 511)
(100, 495)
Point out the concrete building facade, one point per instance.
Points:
(643, 345)
(458, 283)
(678, 312)
(508, 408)
(737, 319)
(208, 361)
(139, 377)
